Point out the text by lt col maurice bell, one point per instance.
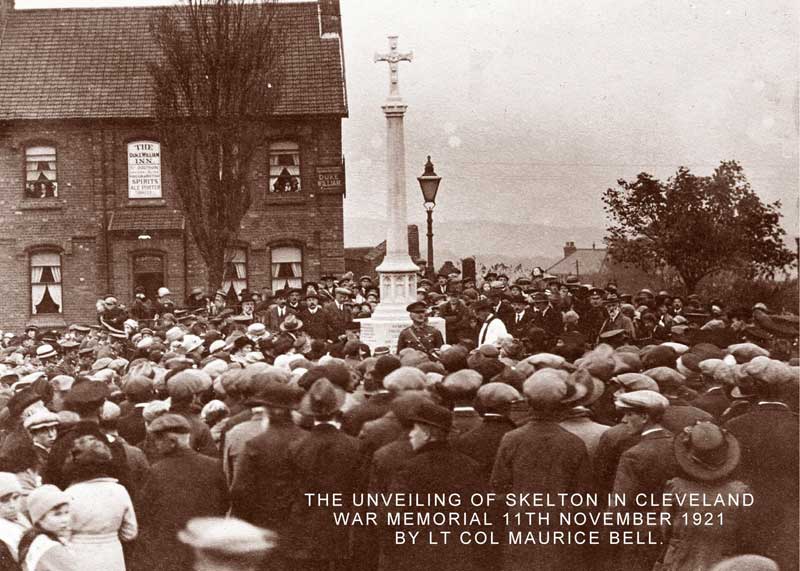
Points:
(527, 518)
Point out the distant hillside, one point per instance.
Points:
(491, 242)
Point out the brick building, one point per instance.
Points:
(86, 202)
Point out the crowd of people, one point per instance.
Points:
(171, 436)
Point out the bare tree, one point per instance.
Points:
(216, 85)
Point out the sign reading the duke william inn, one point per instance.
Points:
(144, 169)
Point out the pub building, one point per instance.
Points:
(87, 204)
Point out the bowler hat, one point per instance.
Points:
(432, 414)
(276, 394)
(707, 452)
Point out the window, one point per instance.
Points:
(284, 167)
(40, 172)
(234, 276)
(287, 268)
(144, 169)
(46, 283)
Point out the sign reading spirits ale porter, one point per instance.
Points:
(144, 169)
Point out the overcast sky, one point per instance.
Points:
(531, 108)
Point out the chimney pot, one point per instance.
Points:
(569, 249)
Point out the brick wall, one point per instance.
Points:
(92, 176)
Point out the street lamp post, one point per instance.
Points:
(429, 183)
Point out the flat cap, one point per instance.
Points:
(404, 379)
(546, 361)
(647, 401)
(636, 382)
(668, 379)
(744, 352)
(495, 397)
(546, 388)
(322, 399)
(432, 415)
(463, 382)
(658, 356)
(87, 392)
(227, 537)
(42, 418)
(169, 423)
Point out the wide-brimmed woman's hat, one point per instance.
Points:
(707, 452)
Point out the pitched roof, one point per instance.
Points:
(145, 220)
(92, 63)
(583, 261)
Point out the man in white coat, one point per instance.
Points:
(492, 327)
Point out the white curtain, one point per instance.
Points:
(55, 293)
(56, 276)
(297, 269)
(241, 270)
(37, 295)
(36, 274)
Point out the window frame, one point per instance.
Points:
(299, 175)
(43, 143)
(287, 244)
(45, 249)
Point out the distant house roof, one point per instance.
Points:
(583, 261)
(93, 63)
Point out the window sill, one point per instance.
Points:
(42, 204)
(47, 320)
(145, 202)
(287, 198)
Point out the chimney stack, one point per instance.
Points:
(569, 249)
(330, 17)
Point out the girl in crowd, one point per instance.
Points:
(43, 547)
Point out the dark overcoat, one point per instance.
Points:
(436, 468)
(768, 436)
(482, 442)
(324, 461)
(644, 469)
(264, 490)
(544, 458)
(181, 486)
(372, 409)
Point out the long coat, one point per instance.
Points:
(372, 409)
(102, 515)
(768, 436)
(644, 469)
(325, 461)
(263, 490)
(315, 324)
(337, 320)
(436, 468)
(541, 457)
(482, 442)
(181, 486)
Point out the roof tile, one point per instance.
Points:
(93, 64)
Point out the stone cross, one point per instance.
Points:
(393, 57)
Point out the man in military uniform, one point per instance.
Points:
(419, 335)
